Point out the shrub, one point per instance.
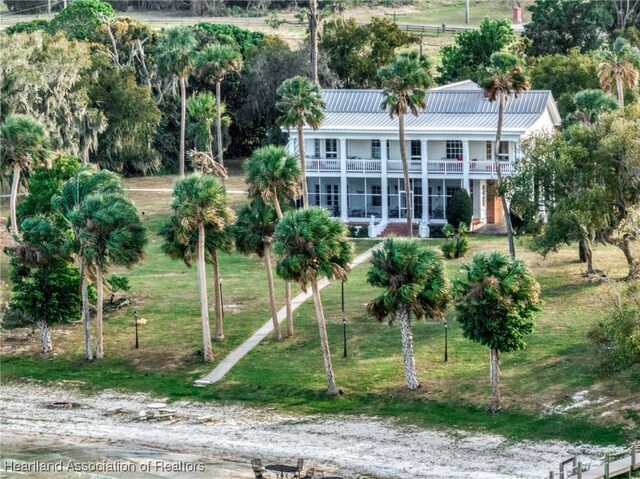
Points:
(457, 244)
(459, 208)
(28, 27)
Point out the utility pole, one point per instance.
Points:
(466, 11)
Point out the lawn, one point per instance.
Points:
(558, 361)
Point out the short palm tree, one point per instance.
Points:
(405, 81)
(253, 233)
(619, 63)
(22, 146)
(506, 77)
(312, 246)
(69, 206)
(110, 234)
(414, 285)
(199, 205)
(300, 102)
(274, 176)
(497, 300)
(214, 63)
(176, 59)
(203, 112)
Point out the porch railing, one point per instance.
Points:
(322, 164)
(445, 166)
(488, 167)
(360, 165)
(395, 166)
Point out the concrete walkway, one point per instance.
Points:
(237, 354)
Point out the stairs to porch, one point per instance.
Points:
(399, 230)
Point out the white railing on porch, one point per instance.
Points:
(445, 166)
(488, 167)
(322, 164)
(360, 165)
(395, 166)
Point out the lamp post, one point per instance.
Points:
(344, 325)
(446, 341)
(135, 314)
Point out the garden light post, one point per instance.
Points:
(344, 325)
(446, 341)
(135, 314)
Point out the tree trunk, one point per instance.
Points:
(45, 337)
(581, 251)
(272, 297)
(99, 303)
(287, 284)
(620, 88)
(496, 403)
(632, 263)
(407, 348)
(332, 389)
(86, 318)
(496, 160)
(405, 172)
(14, 198)
(219, 124)
(219, 328)
(183, 120)
(314, 21)
(207, 351)
(303, 167)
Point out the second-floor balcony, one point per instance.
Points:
(442, 166)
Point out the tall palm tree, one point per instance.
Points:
(253, 233)
(497, 300)
(69, 206)
(199, 205)
(414, 284)
(214, 63)
(203, 112)
(274, 176)
(301, 104)
(22, 146)
(312, 246)
(506, 77)
(404, 82)
(175, 58)
(110, 234)
(619, 63)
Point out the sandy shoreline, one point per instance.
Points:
(223, 438)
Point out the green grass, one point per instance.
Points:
(558, 361)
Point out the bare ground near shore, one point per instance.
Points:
(229, 435)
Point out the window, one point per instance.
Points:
(331, 148)
(451, 190)
(375, 149)
(454, 149)
(376, 198)
(316, 148)
(317, 190)
(503, 152)
(416, 152)
(333, 199)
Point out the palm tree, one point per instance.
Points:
(505, 78)
(414, 284)
(69, 206)
(214, 63)
(203, 111)
(274, 176)
(253, 232)
(301, 104)
(497, 300)
(22, 146)
(110, 234)
(404, 82)
(619, 63)
(311, 246)
(199, 205)
(175, 58)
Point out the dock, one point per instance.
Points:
(612, 465)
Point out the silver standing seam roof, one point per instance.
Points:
(448, 110)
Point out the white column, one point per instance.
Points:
(344, 214)
(424, 153)
(384, 185)
(465, 164)
(512, 154)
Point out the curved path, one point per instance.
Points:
(237, 354)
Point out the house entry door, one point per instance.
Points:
(403, 203)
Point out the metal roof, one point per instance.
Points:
(447, 110)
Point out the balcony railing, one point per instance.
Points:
(445, 167)
(395, 166)
(322, 164)
(488, 167)
(360, 165)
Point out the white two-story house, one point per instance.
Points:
(353, 160)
